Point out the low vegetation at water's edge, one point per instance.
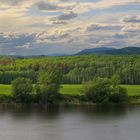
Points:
(71, 92)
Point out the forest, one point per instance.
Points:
(74, 69)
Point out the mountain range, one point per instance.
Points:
(111, 51)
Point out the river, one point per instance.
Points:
(70, 123)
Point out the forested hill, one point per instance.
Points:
(111, 51)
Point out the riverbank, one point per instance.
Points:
(71, 89)
(71, 94)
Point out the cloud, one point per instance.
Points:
(131, 19)
(32, 44)
(67, 16)
(11, 2)
(47, 6)
(44, 26)
(97, 27)
(131, 28)
(59, 22)
(55, 7)
(16, 39)
(13, 43)
(120, 36)
(62, 19)
(45, 37)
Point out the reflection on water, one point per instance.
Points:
(106, 122)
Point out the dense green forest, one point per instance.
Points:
(74, 69)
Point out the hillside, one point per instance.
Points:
(112, 51)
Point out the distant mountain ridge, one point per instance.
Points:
(98, 51)
(111, 51)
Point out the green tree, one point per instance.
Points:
(119, 93)
(22, 89)
(115, 80)
(49, 85)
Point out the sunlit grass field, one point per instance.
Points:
(132, 89)
(71, 89)
(5, 89)
(74, 89)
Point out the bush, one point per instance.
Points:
(48, 93)
(119, 95)
(105, 90)
(6, 99)
(22, 89)
(98, 90)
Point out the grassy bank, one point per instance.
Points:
(133, 90)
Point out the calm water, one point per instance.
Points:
(75, 123)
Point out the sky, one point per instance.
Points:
(44, 27)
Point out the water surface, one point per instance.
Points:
(70, 123)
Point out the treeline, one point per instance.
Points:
(47, 90)
(7, 76)
(74, 69)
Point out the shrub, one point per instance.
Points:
(101, 90)
(98, 90)
(22, 89)
(119, 95)
(48, 93)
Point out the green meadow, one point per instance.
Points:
(5, 89)
(132, 89)
(74, 89)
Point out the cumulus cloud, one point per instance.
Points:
(16, 39)
(131, 19)
(63, 18)
(47, 6)
(12, 43)
(58, 37)
(131, 28)
(67, 16)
